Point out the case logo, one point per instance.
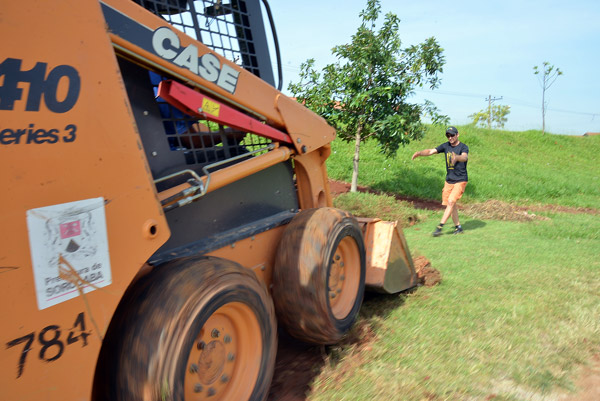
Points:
(167, 45)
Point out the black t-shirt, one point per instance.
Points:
(458, 172)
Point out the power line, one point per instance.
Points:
(583, 113)
(511, 100)
(519, 102)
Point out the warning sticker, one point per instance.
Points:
(69, 250)
(210, 107)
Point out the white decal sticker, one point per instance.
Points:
(69, 250)
(167, 45)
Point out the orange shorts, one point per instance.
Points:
(453, 192)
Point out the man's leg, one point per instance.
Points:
(450, 211)
(457, 227)
(450, 195)
(455, 215)
(449, 206)
(455, 195)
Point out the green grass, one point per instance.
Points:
(518, 308)
(517, 311)
(524, 167)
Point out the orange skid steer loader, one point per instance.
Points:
(165, 206)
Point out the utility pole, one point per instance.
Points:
(490, 99)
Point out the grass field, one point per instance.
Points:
(518, 310)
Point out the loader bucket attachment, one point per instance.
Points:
(390, 267)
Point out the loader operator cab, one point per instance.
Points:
(217, 142)
(234, 30)
(175, 141)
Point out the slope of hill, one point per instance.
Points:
(518, 167)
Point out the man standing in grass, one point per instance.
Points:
(457, 155)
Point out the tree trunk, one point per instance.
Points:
(544, 110)
(354, 185)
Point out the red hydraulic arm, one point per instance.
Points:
(196, 104)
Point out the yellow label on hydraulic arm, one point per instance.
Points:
(210, 107)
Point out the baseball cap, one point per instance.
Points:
(452, 130)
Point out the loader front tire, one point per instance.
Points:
(200, 329)
(319, 275)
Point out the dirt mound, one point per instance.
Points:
(427, 275)
(498, 210)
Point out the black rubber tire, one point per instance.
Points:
(168, 310)
(303, 270)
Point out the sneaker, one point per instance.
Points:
(458, 230)
(437, 232)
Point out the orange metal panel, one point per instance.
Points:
(256, 253)
(66, 135)
(311, 178)
(308, 130)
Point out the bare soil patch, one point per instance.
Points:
(296, 366)
(340, 187)
(588, 382)
(498, 210)
(298, 363)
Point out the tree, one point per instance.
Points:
(548, 76)
(493, 116)
(365, 93)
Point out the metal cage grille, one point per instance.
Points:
(234, 30)
(201, 141)
(225, 28)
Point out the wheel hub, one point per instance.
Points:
(222, 364)
(211, 362)
(344, 273)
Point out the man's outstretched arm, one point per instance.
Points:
(424, 152)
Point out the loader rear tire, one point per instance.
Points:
(200, 328)
(319, 275)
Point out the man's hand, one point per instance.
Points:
(463, 157)
(425, 152)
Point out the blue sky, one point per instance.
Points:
(490, 49)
